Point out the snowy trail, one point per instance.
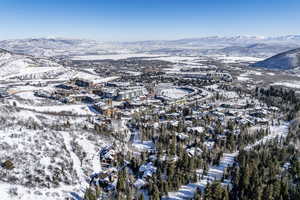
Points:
(90, 149)
(276, 131)
(75, 159)
(216, 172)
(96, 163)
(141, 145)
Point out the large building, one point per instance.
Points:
(205, 75)
(91, 80)
(131, 93)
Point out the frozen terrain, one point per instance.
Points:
(51, 160)
(14, 66)
(216, 172)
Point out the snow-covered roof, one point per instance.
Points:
(199, 129)
(95, 79)
(194, 151)
(147, 169)
(139, 183)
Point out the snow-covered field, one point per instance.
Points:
(174, 93)
(246, 76)
(243, 78)
(72, 109)
(235, 59)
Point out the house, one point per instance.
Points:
(147, 170)
(107, 153)
(110, 92)
(3, 93)
(194, 151)
(82, 82)
(85, 98)
(258, 113)
(109, 111)
(64, 86)
(140, 183)
(197, 130)
(98, 106)
(118, 84)
(43, 93)
(181, 136)
(63, 93)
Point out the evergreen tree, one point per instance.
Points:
(90, 194)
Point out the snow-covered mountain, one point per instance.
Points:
(220, 41)
(73, 47)
(53, 46)
(27, 67)
(256, 50)
(207, 41)
(284, 61)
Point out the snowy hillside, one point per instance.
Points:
(256, 50)
(27, 67)
(285, 61)
(54, 46)
(49, 160)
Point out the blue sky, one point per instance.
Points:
(130, 20)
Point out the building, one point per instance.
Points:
(212, 75)
(219, 75)
(131, 93)
(85, 98)
(110, 93)
(3, 93)
(91, 80)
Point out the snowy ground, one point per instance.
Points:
(40, 154)
(174, 93)
(72, 109)
(246, 76)
(139, 145)
(216, 172)
(236, 59)
(275, 131)
(291, 84)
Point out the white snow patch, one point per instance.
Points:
(291, 84)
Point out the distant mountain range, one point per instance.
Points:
(46, 47)
(289, 60)
(253, 50)
(232, 46)
(219, 41)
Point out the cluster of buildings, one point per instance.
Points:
(208, 75)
